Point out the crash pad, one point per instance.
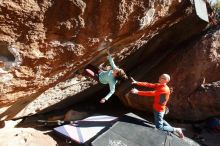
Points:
(131, 130)
(83, 130)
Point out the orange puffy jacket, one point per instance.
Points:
(161, 94)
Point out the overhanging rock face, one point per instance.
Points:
(58, 38)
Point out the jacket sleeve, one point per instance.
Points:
(146, 93)
(112, 90)
(146, 84)
(111, 61)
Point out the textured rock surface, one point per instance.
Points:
(202, 71)
(194, 69)
(51, 40)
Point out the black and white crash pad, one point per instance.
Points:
(131, 130)
(128, 130)
(86, 129)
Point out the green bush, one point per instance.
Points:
(217, 5)
(216, 8)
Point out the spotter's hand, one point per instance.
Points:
(134, 91)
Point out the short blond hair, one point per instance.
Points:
(166, 76)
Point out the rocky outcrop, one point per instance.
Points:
(201, 71)
(194, 69)
(53, 40)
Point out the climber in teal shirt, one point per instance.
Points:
(110, 77)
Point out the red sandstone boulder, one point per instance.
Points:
(51, 42)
